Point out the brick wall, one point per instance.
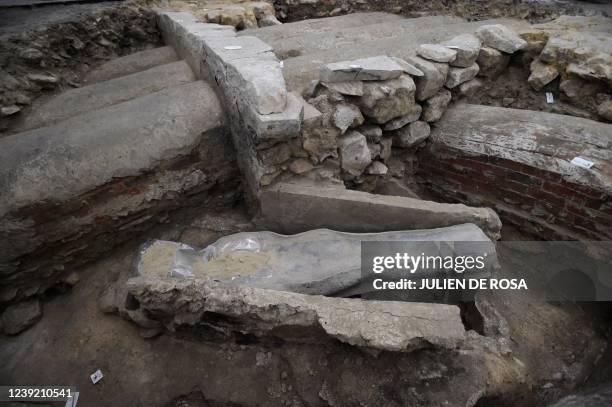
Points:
(537, 201)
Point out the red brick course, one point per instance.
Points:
(536, 200)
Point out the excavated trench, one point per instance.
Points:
(476, 353)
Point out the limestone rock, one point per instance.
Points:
(375, 150)
(413, 116)
(31, 55)
(275, 155)
(408, 68)
(536, 40)
(436, 53)
(354, 153)
(351, 88)
(44, 80)
(372, 132)
(412, 135)
(9, 110)
(346, 116)
(234, 15)
(492, 62)
(379, 325)
(377, 68)
(300, 166)
(377, 168)
(433, 79)
(386, 144)
(541, 74)
(501, 38)
(470, 87)
(386, 100)
(605, 110)
(17, 318)
(321, 142)
(268, 21)
(434, 108)
(457, 76)
(598, 67)
(467, 47)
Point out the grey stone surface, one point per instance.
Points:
(351, 88)
(470, 87)
(99, 95)
(467, 47)
(525, 137)
(492, 62)
(282, 125)
(365, 69)
(411, 135)
(457, 76)
(132, 63)
(386, 100)
(408, 68)
(19, 317)
(414, 115)
(541, 74)
(354, 153)
(501, 38)
(389, 326)
(377, 168)
(347, 115)
(372, 132)
(433, 79)
(294, 208)
(436, 53)
(605, 110)
(74, 156)
(434, 107)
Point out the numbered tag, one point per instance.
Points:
(96, 376)
(550, 98)
(231, 47)
(581, 162)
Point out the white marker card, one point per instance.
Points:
(550, 98)
(582, 162)
(96, 376)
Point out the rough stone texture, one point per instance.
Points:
(111, 92)
(433, 79)
(294, 208)
(372, 132)
(541, 74)
(492, 62)
(457, 76)
(501, 38)
(19, 317)
(354, 153)
(351, 88)
(377, 168)
(70, 186)
(132, 63)
(389, 326)
(413, 116)
(377, 68)
(408, 68)
(436, 53)
(605, 110)
(346, 116)
(411, 135)
(386, 100)
(467, 47)
(518, 162)
(434, 108)
(470, 87)
(251, 82)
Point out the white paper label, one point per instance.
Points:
(232, 47)
(355, 66)
(96, 376)
(581, 162)
(550, 98)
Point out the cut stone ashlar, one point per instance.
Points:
(366, 69)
